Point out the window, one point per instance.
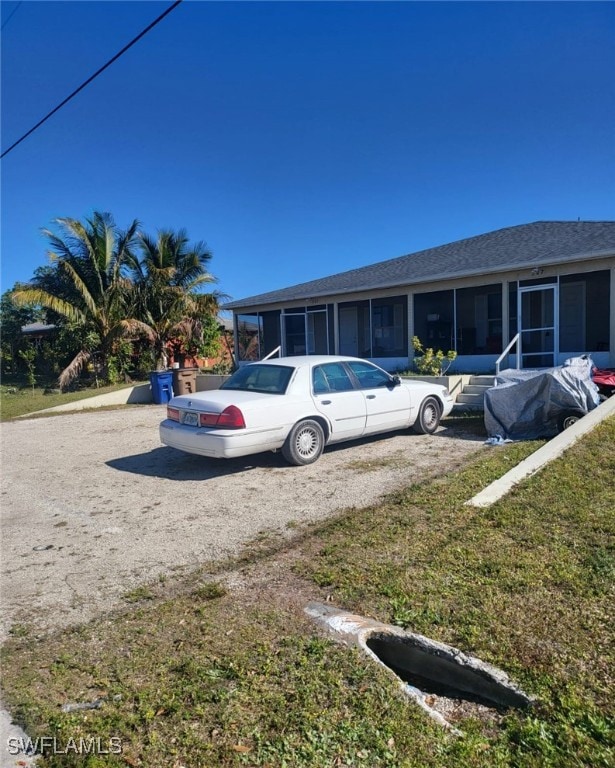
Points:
(468, 320)
(479, 320)
(272, 379)
(584, 308)
(374, 327)
(271, 336)
(306, 331)
(331, 377)
(317, 336)
(249, 334)
(433, 319)
(319, 381)
(389, 327)
(369, 376)
(294, 334)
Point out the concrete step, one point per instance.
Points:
(475, 389)
(483, 381)
(472, 397)
(469, 398)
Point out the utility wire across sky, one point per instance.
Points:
(92, 77)
(10, 16)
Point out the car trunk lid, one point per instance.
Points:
(217, 400)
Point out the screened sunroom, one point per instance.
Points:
(549, 285)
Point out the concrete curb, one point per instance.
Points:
(141, 393)
(552, 450)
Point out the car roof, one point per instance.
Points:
(297, 361)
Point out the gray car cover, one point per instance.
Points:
(527, 404)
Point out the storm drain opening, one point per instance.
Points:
(446, 683)
(433, 671)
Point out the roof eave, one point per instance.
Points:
(517, 266)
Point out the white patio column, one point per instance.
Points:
(505, 314)
(336, 330)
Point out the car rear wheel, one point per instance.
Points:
(305, 443)
(568, 419)
(428, 419)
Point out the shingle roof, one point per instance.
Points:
(528, 245)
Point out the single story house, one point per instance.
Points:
(551, 282)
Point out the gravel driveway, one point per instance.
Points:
(93, 505)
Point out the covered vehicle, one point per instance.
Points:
(528, 404)
(298, 405)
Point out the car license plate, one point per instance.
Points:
(191, 419)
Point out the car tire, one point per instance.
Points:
(567, 419)
(428, 419)
(304, 443)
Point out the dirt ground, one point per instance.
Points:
(93, 505)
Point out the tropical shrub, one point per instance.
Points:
(430, 362)
(28, 355)
(168, 306)
(119, 299)
(87, 285)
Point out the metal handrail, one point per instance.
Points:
(271, 354)
(506, 351)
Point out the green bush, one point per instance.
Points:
(431, 363)
(28, 355)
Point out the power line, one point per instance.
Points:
(94, 76)
(12, 13)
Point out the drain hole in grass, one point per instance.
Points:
(434, 672)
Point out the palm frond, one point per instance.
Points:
(188, 326)
(76, 237)
(137, 327)
(36, 296)
(200, 279)
(81, 288)
(59, 249)
(74, 368)
(209, 303)
(125, 256)
(81, 250)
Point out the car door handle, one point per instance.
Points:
(371, 397)
(325, 402)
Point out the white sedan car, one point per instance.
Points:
(299, 405)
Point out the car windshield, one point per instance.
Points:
(272, 379)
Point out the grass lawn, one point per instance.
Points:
(229, 672)
(19, 400)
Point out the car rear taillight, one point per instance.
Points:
(208, 419)
(172, 413)
(230, 418)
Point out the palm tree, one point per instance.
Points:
(168, 301)
(87, 285)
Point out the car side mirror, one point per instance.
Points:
(396, 380)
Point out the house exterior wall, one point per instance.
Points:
(475, 363)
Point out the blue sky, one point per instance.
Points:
(303, 139)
